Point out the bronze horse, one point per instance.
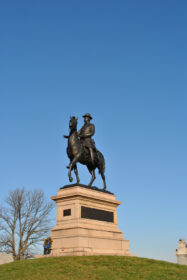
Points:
(77, 152)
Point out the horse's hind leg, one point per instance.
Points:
(76, 173)
(103, 177)
(93, 177)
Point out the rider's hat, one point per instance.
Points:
(87, 115)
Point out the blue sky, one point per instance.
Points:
(125, 62)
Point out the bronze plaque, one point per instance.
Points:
(67, 212)
(97, 214)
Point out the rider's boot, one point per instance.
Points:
(92, 155)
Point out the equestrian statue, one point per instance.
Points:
(81, 148)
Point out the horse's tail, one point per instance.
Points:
(101, 163)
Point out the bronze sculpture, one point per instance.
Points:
(81, 148)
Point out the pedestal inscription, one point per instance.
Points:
(87, 223)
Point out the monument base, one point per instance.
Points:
(87, 223)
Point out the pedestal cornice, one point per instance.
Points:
(81, 191)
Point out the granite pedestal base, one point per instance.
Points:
(87, 223)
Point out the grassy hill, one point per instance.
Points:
(92, 268)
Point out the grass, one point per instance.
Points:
(92, 268)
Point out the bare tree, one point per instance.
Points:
(24, 222)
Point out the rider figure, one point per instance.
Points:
(85, 134)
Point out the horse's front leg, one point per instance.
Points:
(68, 165)
(69, 173)
(72, 165)
(76, 173)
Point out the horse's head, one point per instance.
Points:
(73, 123)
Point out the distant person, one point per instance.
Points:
(48, 248)
(45, 250)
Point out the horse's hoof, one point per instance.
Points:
(71, 179)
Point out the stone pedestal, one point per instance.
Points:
(87, 223)
(6, 258)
